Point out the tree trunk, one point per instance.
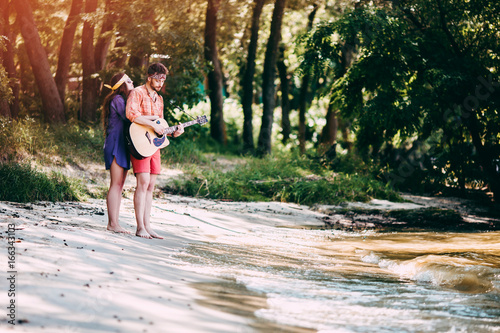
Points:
(5, 109)
(104, 41)
(53, 109)
(247, 82)
(268, 76)
(26, 79)
(8, 59)
(304, 87)
(4, 28)
(90, 83)
(285, 100)
(329, 132)
(302, 112)
(344, 126)
(66, 47)
(121, 60)
(217, 125)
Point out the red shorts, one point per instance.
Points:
(151, 164)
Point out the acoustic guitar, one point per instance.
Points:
(143, 141)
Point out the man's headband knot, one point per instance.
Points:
(158, 76)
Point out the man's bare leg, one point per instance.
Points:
(114, 197)
(140, 203)
(149, 204)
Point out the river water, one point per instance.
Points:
(305, 280)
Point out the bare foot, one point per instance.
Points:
(154, 234)
(143, 233)
(118, 229)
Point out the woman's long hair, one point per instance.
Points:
(122, 90)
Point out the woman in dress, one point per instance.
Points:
(116, 154)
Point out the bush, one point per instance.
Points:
(21, 183)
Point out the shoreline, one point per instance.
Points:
(72, 275)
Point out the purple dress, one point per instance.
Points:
(115, 145)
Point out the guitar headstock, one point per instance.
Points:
(202, 120)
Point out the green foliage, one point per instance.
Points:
(281, 178)
(22, 183)
(422, 67)
(5, 90)
(351, 164)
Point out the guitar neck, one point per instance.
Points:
(172, 129)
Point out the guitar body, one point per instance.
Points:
(144, 142)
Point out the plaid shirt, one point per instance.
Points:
(139, 103)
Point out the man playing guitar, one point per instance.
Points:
(144, 105)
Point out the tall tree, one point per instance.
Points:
(285, 91)
(68, 37)
(90, 81)
(247, 81)
(53, 108)
(8, 108)
(105, 36)
(304, 88)
(217, 125)
(268, 76)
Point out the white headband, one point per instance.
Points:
(118, 84)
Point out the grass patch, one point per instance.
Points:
(27, 138)
(22, 183)
(281, 178)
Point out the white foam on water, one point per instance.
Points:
(441, 270)
(372, 258)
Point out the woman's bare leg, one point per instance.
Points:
(114, 197)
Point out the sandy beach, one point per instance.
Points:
(72, 275)
(69, 274)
